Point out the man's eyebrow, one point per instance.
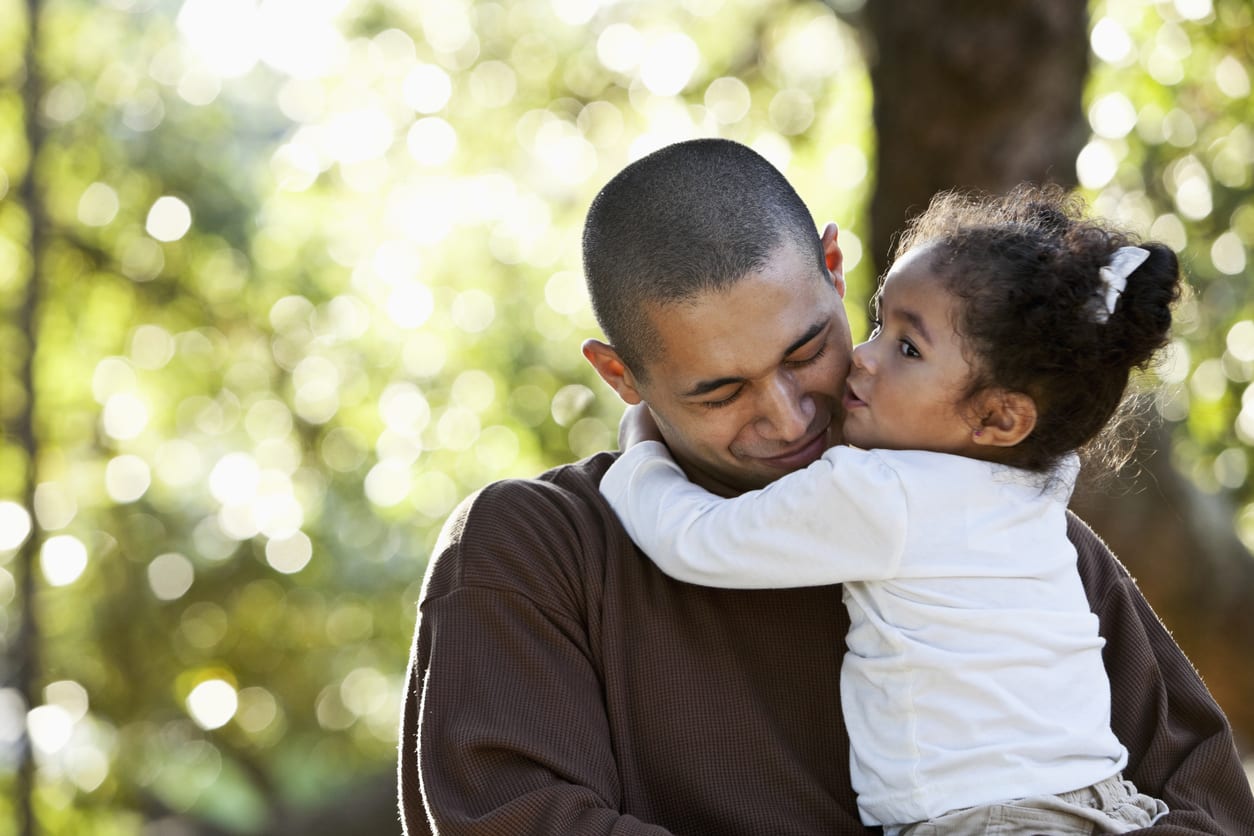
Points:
(707, 386)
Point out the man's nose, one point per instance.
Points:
(787, 410)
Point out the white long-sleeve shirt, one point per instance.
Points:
(974, 670)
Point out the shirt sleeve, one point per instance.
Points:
(504, 729)
(1180, 745)
(843, 518)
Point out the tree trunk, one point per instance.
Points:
(25, 649)
(984, 95)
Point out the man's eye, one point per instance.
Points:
(813, 358)
(722, 402)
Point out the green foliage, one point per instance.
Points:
(1173, 156)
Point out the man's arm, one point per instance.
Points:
(1180, 746)
(504, 731)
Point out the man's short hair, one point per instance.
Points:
(691, 218)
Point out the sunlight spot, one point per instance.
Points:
(846, 166)
(493, 84)
(458, 428)
(170, 575)
(55, 505)
(15, 525)
(178, 463)
(620, 47)
(427, 88)
(473, 389)
(363, 691)
(222, 33)
(431, 141)
(1110, 41)
(1209, 381)
(570, 402)
(358, 135)
(1112, 116)
(169, 219)
(70, 696)
(1194, 9)
(1232, 467)
(574, 12)
(1232, 79)
(404, 408)
(1240, 341)
(851, 247)
(296, 167)
(387, 483)
(791, 111)
(566, 292)
(289, 554)
(435, 494)
(235, 478)
(99, 205)
(50, 728)
(299, 38)
(1170, 230)
(410, 304)
(124, 416)
(669, 64)
(212, 703)
(589, 436)
(317, 383)
(257, 709)
(1173, 367)
(1193, 195)
(63, 559)
(1228, 254)
(127, 478)
(151, 347)
(473, 311)
(729, 99)
(1096, 165)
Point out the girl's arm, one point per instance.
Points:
(805, 529)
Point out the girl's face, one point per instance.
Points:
(907, 386)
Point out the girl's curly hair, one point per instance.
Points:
(1025, 267)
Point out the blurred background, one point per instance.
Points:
(282, 280)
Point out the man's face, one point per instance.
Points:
(748, 381)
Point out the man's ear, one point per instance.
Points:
(1004, 418)
(833, 257)
(612, 370)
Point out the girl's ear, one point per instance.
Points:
(1004, 418)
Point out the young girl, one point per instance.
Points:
(973, 687)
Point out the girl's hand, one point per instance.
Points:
(637, 426)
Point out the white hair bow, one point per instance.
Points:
(1115, 277)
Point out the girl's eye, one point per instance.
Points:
(908, 349)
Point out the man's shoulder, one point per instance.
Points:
(528, 535)
(1099, 569)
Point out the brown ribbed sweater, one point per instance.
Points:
(561, 684)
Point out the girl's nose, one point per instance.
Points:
(863, 357)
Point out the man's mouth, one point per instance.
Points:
(802, 454)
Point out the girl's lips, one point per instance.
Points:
(851, 400)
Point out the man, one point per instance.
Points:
(561, 684)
